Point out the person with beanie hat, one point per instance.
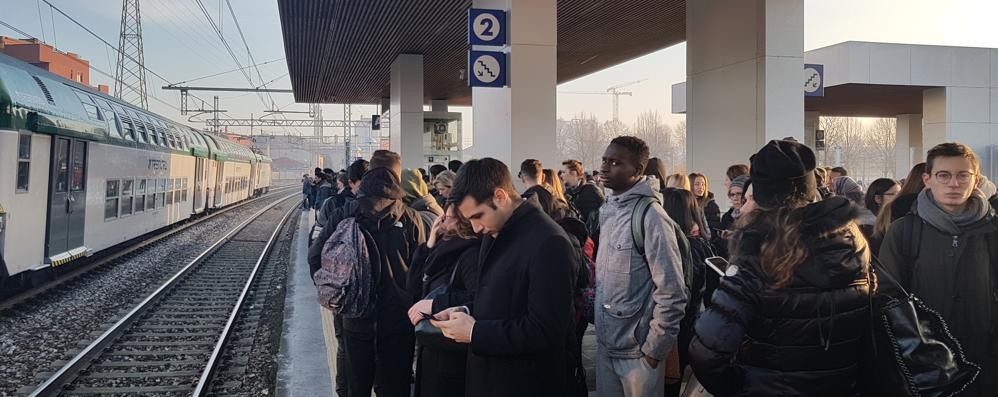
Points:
(790, 316)
(847, 187)
(418, 197)
(736, 194)
(379, 350)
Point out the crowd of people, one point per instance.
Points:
(456, 283)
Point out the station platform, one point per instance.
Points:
(306, 364)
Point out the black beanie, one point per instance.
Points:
(783, 173)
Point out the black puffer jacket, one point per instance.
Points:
(801, 340)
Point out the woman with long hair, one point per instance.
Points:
(705, 198)
(448, 259)
(554, 184)
(790, 315)
(683, 208)
(908, 194)
(880, 193)
(678, 181)
(656, 168)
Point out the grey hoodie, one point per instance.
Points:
(639, 300)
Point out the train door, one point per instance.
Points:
(199, 172)
(254, 166)
(67, 196)
(219, 183)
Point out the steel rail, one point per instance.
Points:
(54, 384)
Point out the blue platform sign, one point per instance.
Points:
(487, 27)
(486, 69)
(814, 79)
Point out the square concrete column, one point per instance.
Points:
(908, 149)
(519, 121)
(745, 66)
(810, 126)
(968, 115)
(406, 110)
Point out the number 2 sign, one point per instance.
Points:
(486, 27)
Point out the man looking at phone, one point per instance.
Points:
(640, 292)
(520, 322)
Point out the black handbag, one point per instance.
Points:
(912, 350)
(429, 336)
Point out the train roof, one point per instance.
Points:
(35, 100)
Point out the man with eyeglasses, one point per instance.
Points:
(946, 252)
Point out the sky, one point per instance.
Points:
(180, 45)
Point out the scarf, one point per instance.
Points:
(976, 209)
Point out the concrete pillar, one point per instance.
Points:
(908, 149)
(744, 62)
(810, 126)
(519, 121)
(968, 115)
(406, 110)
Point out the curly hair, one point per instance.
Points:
(638, 148)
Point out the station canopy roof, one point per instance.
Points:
(342, 50)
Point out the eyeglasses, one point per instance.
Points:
(962, 178)
(736, 195)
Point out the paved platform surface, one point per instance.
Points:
(303, 368)
(305, 363)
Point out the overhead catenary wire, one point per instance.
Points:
(116, 49)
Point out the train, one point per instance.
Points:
(81, 172)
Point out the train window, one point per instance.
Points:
(62, 165)
(184, 191)
(79, 166)
(161, 193)
(128, 126)
(126, 197)
(111, 199)
(152, 133)
(169, 192)
(151, 194)
(90, 106)
(140, 195)
(112, 118)
(143, 136)
(23, 162)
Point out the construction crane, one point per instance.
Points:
(615, 91)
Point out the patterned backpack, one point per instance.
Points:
(346, 281)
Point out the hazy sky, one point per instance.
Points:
(180, 45)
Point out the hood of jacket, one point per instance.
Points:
(446, 253)
(427, 203)
(646, 187)
(832, 260)
(413, 185)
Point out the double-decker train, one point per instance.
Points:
(81, 171)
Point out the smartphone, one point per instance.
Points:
(719, 264)
(428, 316)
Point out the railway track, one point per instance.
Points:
(171, 342)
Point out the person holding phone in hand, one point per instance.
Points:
(448, 260)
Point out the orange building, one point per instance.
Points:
(65, 64)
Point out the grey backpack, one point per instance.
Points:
(346, 280)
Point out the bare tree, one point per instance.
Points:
(651, 129)
(883, 138)
(678, 148)
(582, 138)
(844, 134)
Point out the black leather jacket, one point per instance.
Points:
(803, 339)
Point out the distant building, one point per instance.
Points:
(65, 64)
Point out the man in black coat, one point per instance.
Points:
(520, 322)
